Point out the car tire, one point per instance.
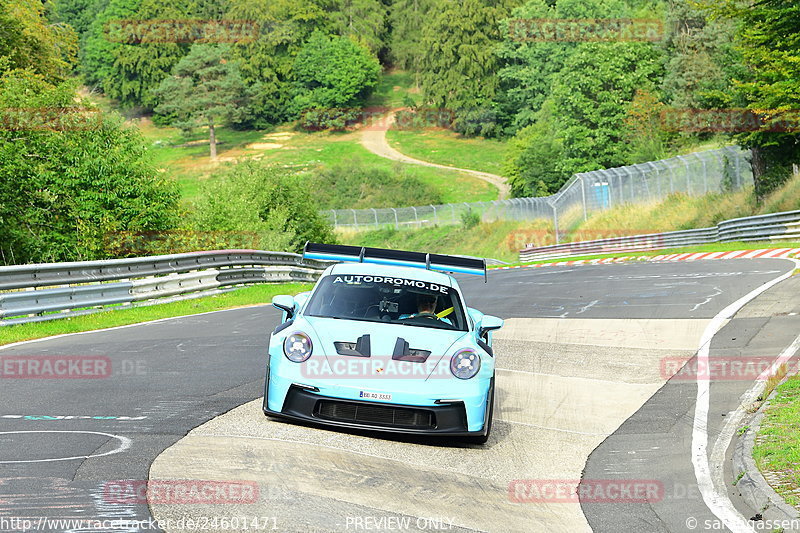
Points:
(483, 439)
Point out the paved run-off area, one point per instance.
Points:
(564, 384)
(582, 351)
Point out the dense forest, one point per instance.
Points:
(567, 100)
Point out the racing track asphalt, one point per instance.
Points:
(175, 375)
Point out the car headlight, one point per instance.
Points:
(297, 347)
(465, 364)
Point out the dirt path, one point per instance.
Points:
(374, 140)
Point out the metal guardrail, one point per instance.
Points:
(774, 227)
(28, 291)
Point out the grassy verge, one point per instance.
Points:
(252, 295)
(186, 159)
(497, 240)
(448, 148)
(395, 89)
(777, 446)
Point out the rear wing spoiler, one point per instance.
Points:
(381, 256)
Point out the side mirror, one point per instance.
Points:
(489, 323)
(285, 303)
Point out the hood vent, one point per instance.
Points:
(360, 348)
(403, 353)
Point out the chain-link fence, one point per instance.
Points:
(725, 169)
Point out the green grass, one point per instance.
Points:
(777, 446)
(448, 148)
(252, 295)
(496, 240)
(297, 151)
(394, 89)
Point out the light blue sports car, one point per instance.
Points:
(384, 342)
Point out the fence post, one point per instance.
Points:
(583, 197)
(375, 213)
(416, 219)
(355, 218)
(705, 172)
(658, 179)
(396, 223)
(334, 217)
(435, 216)
(555, 222)
(453, 212)
(688, 177)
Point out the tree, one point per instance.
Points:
(29, 40)
(363, 20)
(205, 89)
(644, 136)
(458, 62)
(266, 61)
(332, 72)
(143, 54)
(532, 163)
(71, 177)
(254, 198)
(769, 42)
(405, 18)
(592, 95)
(528, 65)
(97, 46)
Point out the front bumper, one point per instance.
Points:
(446, 419)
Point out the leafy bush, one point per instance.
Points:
(254, 199)
(71, 177)
(470, 218)
(353, 184)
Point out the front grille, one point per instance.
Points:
(381, 415)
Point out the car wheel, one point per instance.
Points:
(483, 439)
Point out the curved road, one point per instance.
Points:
(374, 140)
(581, 375)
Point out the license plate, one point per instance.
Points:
(375, 395)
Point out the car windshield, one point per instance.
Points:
(385, 299)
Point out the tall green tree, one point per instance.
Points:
(363, 20)
(29, 40)
(332, 72)
(266, 61)
(769, 41)
(205, 89)
(102, 39)
(592, 96)
(406, 18)
(71, 177)
(459, 62)
(529, 64)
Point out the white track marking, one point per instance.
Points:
(124, 444)
(718, 502)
